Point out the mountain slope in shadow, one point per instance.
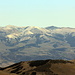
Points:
(41, 67)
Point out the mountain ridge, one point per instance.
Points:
(34, 43)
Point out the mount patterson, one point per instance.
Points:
(35, 43)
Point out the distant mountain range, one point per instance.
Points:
(35, 43)
(40, 67)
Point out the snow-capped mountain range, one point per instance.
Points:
(33, 43)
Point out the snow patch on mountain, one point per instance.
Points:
(14, 35)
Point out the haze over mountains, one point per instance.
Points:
(35, 43)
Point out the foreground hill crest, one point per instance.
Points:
(41, 67)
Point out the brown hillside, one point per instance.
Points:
(42, 67)
(5, 73)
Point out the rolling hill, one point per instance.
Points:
(40, 67)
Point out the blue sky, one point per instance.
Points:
(40, 13)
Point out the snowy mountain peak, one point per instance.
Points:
(52, 27)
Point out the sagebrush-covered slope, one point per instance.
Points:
(42, 67)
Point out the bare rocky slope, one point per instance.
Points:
(35, 43)
(40, 67)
